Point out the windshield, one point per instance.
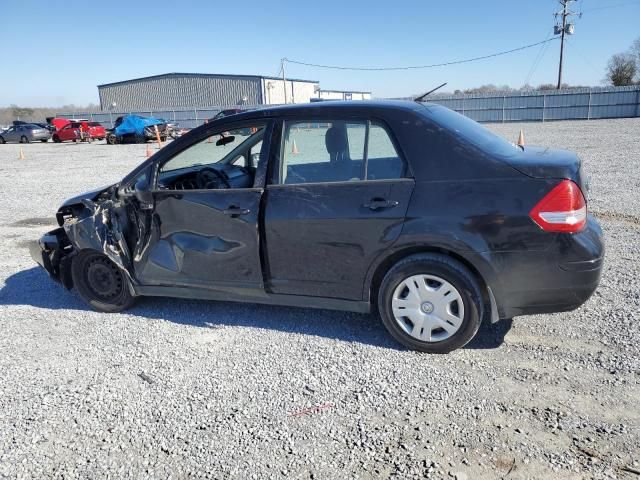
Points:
(222, 148)
(470, 130)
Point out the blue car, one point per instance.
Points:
(136, 129)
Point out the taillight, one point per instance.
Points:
(563, 209)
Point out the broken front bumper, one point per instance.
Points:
(53, 252)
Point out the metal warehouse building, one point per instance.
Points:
(201, 90)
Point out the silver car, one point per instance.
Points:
(24, 134)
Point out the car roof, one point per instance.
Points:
(333, 106)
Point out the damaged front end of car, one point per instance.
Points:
(97, 221)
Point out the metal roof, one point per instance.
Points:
(211, 75)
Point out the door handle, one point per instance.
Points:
(380, 204)
(234, 211)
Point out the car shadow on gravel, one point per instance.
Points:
(33, 287)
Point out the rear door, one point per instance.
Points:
(337, 197)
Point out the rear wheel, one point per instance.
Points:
(430, 303)
(111, 139)
(100, 282)
(24, 139)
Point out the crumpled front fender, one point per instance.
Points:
(102, 229)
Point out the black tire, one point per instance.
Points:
(2, 141)
(447, 269)
(56, 139)
(100, 282)
(24, 139)
(112, 139)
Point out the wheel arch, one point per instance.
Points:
(374, 278)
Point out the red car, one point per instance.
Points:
(96, 130)
(83, 131)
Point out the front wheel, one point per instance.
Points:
(430, 303)
(2, 141)
(100, 282)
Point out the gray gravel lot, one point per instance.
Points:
(177, 388)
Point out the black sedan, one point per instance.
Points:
(403, 208)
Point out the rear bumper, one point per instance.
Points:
(558, 279)
(40, 136)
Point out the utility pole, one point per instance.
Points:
(284, 82)
(565, 29)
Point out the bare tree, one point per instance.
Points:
(635, 51)
(621, 69)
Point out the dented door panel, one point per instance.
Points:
(197, 240)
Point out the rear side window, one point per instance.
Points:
(337, 151)
(383, 163)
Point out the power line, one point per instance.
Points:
(537, 60)
(414, 67)
(604, 7)
(584, 57)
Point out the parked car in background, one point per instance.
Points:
(73, 131)
(80, 131)
(24, 134)
(58, 123)
(46, 126)
(136, 129)
(96, 130)
(407, 209)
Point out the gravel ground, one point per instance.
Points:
(177, 388)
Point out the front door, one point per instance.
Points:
(337, 200)
(204, 222)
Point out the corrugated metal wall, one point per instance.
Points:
(181, 91)
(583, 104)
(579, 104)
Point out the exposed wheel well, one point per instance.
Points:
(390, 261)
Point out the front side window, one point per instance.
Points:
(337, 151)
(223, 160)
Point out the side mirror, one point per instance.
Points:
(143, 193)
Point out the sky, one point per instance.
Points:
(57, 53)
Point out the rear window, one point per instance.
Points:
(470, 130)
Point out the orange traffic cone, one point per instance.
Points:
(149, 152)
(21, 156)
(521, 139)
(294, 148)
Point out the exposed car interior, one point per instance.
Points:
(236, 169)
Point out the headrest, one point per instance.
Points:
(336, 140)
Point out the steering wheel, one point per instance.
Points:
(208, 176)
